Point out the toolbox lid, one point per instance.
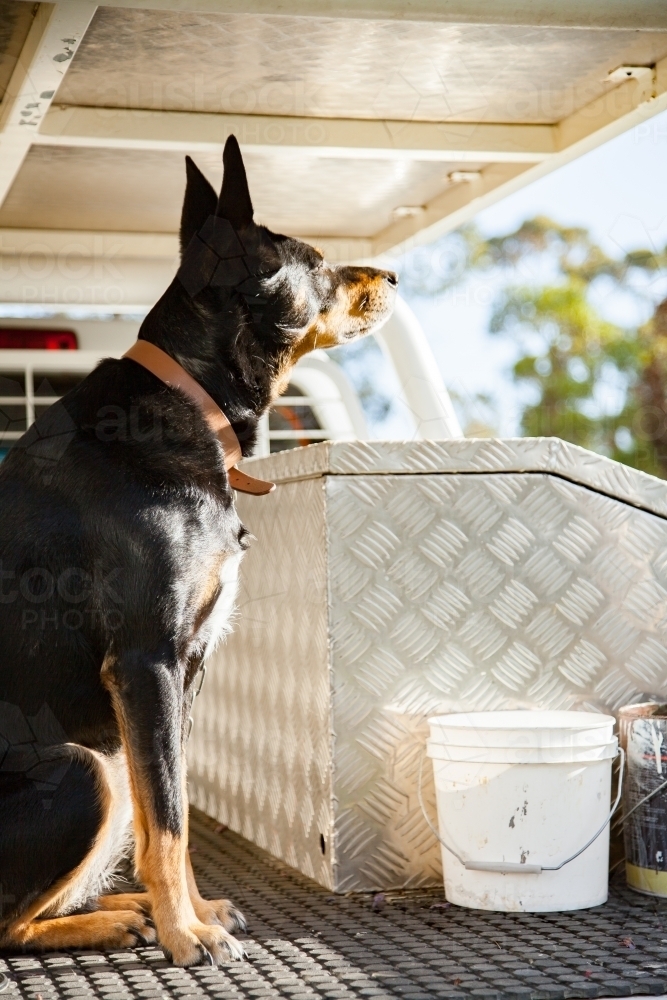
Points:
(468, 456)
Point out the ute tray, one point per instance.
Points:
(305, 943)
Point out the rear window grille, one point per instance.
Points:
(292, 421)
(25, 395)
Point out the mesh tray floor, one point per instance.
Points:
(305, 943)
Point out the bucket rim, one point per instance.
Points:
(533, 737)
(518, 719)
(532, 755)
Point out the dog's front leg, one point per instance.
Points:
(147, 692)
(213, 911)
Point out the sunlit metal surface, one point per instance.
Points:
(60, 188)
(282, 65)
(392, 581)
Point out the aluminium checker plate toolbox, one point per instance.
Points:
(390, 581)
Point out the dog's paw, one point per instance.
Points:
(100, 929)
(220, 911)
(128, 929)
(138, 902)
(201, 944)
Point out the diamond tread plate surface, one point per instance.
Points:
(445, 592)
(259, 753)
(471, 456)
(454, 593)
(306, 943)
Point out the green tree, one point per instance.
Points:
(581, 377)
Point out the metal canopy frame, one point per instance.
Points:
(112, 271)
(511, 155)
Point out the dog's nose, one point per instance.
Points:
(391, 278)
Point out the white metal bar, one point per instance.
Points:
(30, 396)
(72, 244)
(320, 435)
(46, 55)
(302, 401)
(17, 360)
(263, 446)
(344, 138)
(423, 390)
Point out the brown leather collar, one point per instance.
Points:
(169, 371)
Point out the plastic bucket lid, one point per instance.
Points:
(522, 729)
(522, 755)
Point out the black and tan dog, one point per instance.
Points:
(119, 544)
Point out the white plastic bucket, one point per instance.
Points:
(522, 729)
(526, 802)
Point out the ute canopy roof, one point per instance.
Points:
(366, 126)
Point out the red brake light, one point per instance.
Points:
(19, 338)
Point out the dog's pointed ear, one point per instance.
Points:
(200, 201)
(234, 203)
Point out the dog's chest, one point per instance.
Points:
(217, 609)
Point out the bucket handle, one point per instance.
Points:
(512, 867)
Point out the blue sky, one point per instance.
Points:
(618, 192)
